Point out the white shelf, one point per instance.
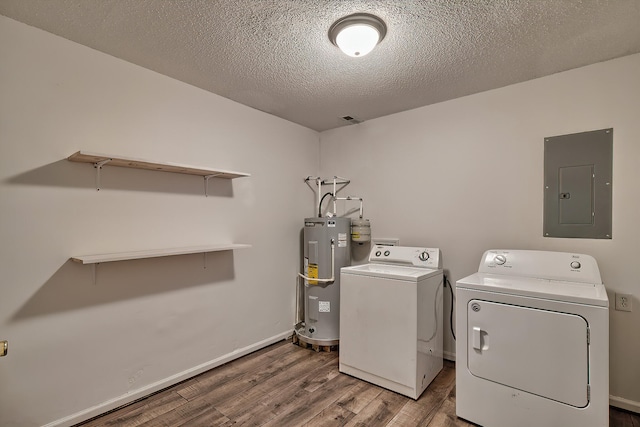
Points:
(155, 253)
(100, 160)
(131, 162)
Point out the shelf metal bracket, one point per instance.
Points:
(206, 182)
(98, 166)
(95, 272)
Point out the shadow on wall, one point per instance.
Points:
(64, 173)
(72, 287)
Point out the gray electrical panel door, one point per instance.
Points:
(577, 179)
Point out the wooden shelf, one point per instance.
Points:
(130, 162)
(155, 253)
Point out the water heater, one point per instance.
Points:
(327, 248)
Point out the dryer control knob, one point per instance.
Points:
(575, 264)
(424, 256)
(500, 259)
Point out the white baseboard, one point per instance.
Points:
(622, 403)
(164, 383)
(449, 355)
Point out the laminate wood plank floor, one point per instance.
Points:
(285, 385)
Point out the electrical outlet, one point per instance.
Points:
(623, 302)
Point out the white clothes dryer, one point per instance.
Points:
(391, 319)
(532, 343)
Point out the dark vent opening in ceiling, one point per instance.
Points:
(351, 119)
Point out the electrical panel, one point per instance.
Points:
(577, 185)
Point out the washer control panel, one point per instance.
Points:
(406, 255)
(541, 264)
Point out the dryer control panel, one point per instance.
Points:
(406, 255)
(563, 266)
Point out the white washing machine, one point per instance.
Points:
(532, 343)
(391, 318)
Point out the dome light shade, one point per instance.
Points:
(357, 34)
(358, 39)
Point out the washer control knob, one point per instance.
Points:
(500, 259)
(378, 253)
(575, 265)
(424, 256)
(387, 253)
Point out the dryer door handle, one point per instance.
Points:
(477, 338)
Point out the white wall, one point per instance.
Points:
(143, 324)
(467, 175)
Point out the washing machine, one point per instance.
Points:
(532, 343)
(391, 318)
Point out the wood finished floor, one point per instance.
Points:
(285, 385)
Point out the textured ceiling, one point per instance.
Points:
(275, 55)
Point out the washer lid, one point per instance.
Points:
(581, 293)
(390, 272)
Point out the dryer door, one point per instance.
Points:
(537, 351)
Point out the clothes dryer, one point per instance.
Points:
(533, 341)
(391, 319)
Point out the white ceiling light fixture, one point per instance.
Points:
(357, 34)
